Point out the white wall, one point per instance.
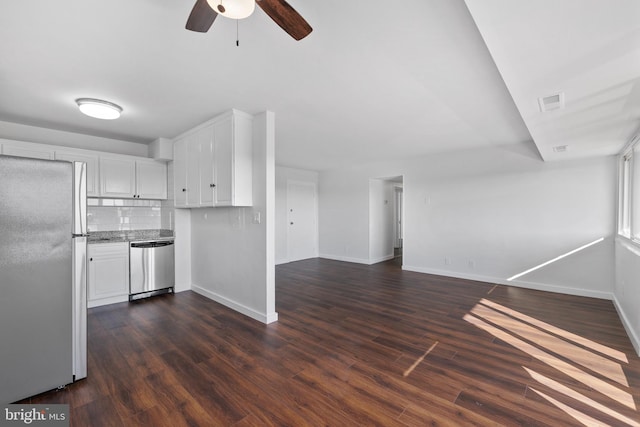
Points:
(626, 294)
(40, 135)
(486, 214)
(381, 205)
(232, 256)
(283, 176)
(343, 213)
(183, 249)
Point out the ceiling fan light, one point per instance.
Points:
(98, 108)
(234, 9)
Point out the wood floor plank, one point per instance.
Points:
(358, 345)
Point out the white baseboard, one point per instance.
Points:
(516, 283)
(106, 301)
(345, 259)
(635, 340)
(261, 317)
(381, 259)
(357, 260)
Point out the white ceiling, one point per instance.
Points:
(369, 83)
(587, 49)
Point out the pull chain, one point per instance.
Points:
(237, 32)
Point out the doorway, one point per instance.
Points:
(385, 219)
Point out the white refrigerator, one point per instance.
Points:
(43, 303)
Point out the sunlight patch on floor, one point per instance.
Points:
(580, 416)
(560, 332)
(566, 352)
(419, 360)
(600, 364)
(555, 385)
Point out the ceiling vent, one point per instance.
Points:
(551, 102)
(560, 148)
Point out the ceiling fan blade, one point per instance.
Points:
(286, 17)
(201, 17)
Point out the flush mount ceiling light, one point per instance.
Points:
(98, 108)
(234, 9)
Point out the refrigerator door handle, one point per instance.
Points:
(79, 199)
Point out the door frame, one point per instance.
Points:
(398, 216)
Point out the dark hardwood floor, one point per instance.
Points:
(360, 345)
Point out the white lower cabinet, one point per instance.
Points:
(108, 278)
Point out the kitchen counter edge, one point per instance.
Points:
(128, 236)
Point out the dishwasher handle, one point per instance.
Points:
(158, 244)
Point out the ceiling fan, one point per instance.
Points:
(204, 12)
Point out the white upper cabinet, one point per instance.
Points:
(180, 172)
(27, 149)
(108, 175)
(92, 168)
(203, 144)
(117, 177)
(151, 179)
(213, 163)
(186, 173)
(121, 177)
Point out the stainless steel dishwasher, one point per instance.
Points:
(151, 268)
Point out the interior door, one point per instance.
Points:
(302, 227)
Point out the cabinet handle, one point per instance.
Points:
(212, 185)
(184, 190)
(90, 259)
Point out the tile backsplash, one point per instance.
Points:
(123, 214)
(131, 214)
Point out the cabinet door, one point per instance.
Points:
(92, 168)
(151, 180)
(117, 177)
(27, 151)
(180, 173)
(223, 162)
(193, 172)
(108, 279)
(207, 182)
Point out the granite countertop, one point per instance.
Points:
(127, 236)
